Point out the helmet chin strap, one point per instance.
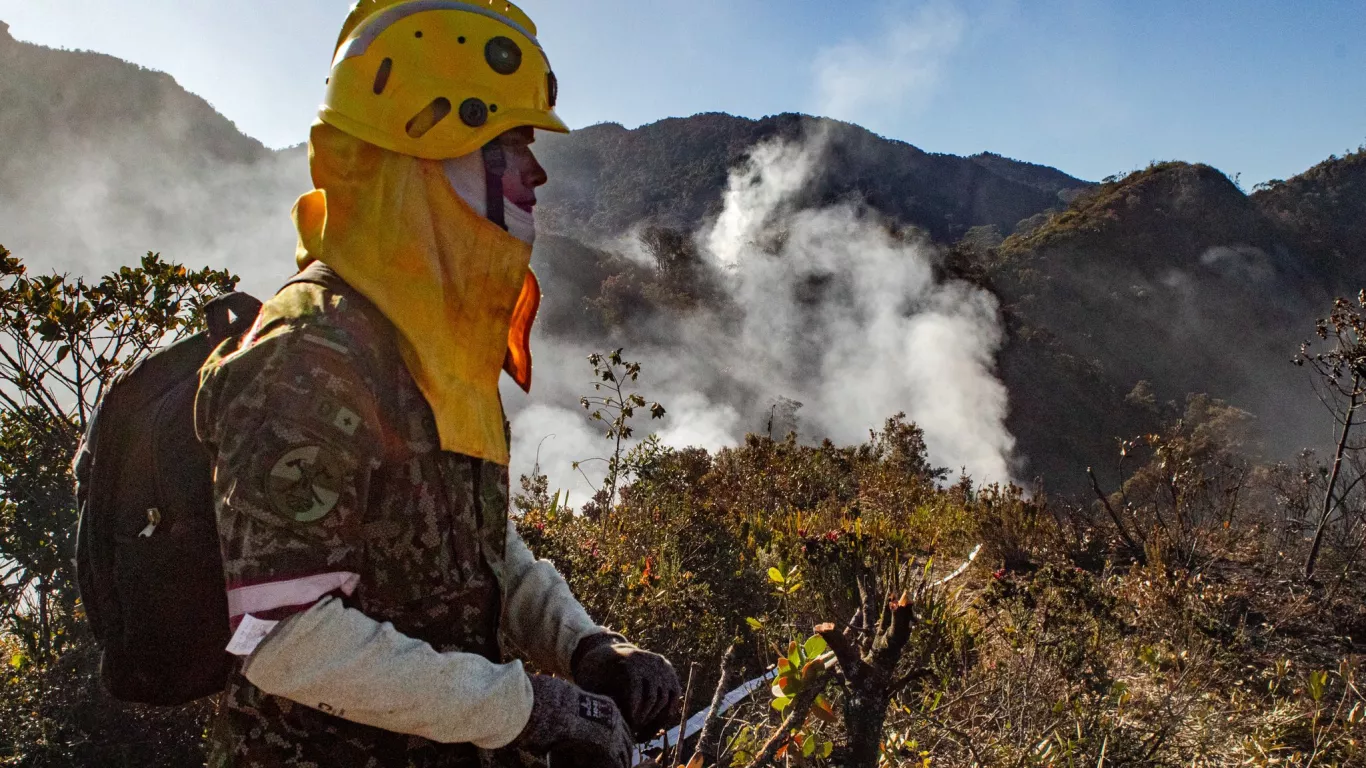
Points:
(495, 165)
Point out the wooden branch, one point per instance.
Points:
(48, 404)
(851, 663)
(868, 602)
(709, 740)
(683, 723)
(918, 670)
(1311, 560)
(1350, 561)
(1123, 532)
(897, 634)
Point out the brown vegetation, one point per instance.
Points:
(1164, 622)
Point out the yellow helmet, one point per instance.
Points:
(438, 79)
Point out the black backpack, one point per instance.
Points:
(147, 556)
(148, 562)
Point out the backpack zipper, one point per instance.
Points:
(153, 520)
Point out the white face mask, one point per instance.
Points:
(466, 176)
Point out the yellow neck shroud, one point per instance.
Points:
(457, 287)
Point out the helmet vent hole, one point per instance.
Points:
(493, 107)
(427, 119)
(382, 76)
(460, 40)
(503, 55)
(418, 33)
(474, 112)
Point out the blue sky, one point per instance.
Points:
(1256, 87)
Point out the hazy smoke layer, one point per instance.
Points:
(835, 310)
(89, 212)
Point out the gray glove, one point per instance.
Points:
(643, 684)
(577, 727)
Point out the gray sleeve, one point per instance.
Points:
(542, 620)
(341, 661)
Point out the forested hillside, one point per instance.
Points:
(1174, 276)
(58, 101)
(101, 160)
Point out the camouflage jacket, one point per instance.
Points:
(329, 480)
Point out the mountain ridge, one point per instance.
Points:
(672, 172)
(98, 90)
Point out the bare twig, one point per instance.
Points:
(1311, 560)
(683, 723)
(845, 653)
(962, 739)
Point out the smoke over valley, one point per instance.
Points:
(789, 274)
(827, 314)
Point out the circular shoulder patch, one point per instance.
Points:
(305, 484)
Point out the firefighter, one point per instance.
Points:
(380, 596)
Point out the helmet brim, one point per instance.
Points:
(546, 121)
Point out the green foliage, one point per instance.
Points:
(62, 340)
(59, 715)
(1056, 647)
(1067, 654)
(799, 669)
(37, 534)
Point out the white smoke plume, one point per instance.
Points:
(838, 311)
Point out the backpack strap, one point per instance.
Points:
(320, 274)
(230, 315)
(324, 276)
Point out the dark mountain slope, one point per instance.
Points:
(1174, 276)
(605, 179)
(58, 101)
(1324, 211)
(1050, 180)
